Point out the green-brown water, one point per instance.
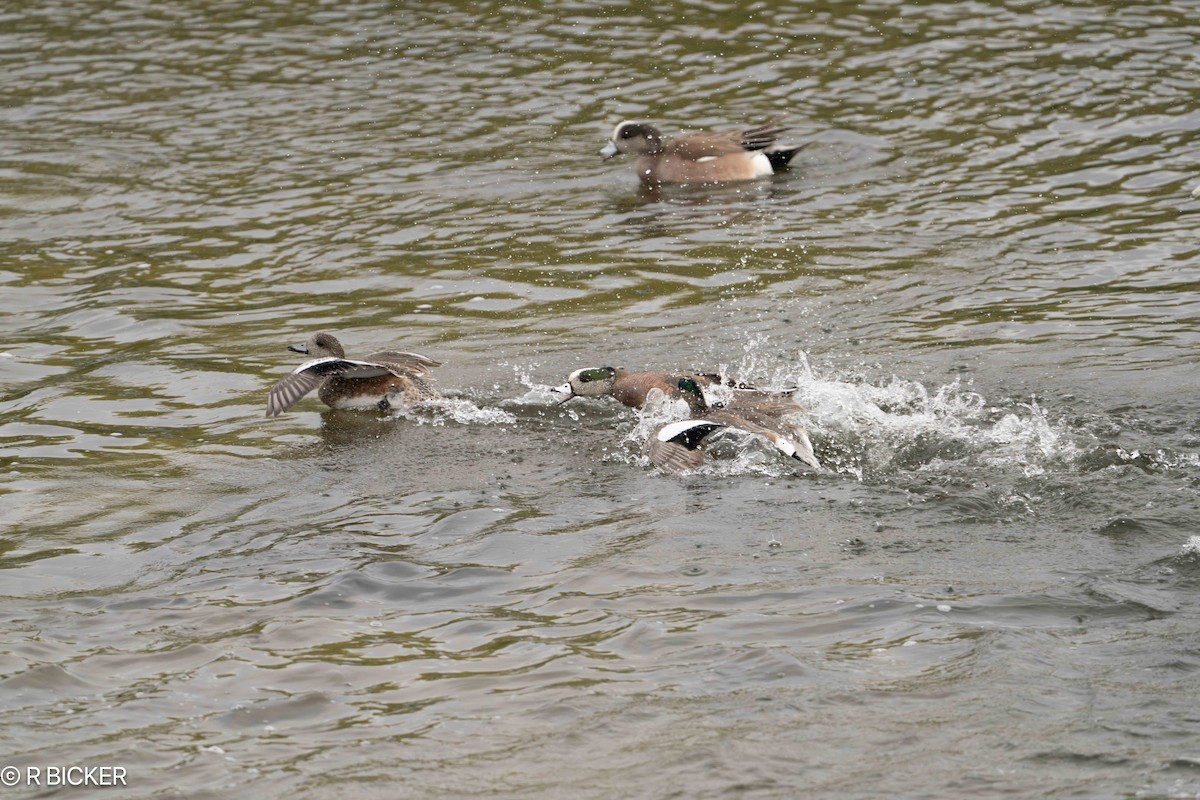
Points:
(982, 273)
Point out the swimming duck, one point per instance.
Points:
(378, 381)
(702, 156)
(679, 446)
(633, 388)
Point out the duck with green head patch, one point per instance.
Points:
(633, 389)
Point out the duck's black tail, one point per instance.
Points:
(779, 157)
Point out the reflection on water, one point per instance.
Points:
(980, 273)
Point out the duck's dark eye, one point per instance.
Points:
(628, 133)
(585, 378)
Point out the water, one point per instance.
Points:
(981, 274)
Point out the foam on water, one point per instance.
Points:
(905, 424)
(1160, 459)
(865, 428)
(456, 409)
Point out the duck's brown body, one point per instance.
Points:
(378, 381)
(702, 156)
(633, 389)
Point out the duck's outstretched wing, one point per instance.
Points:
(676, 447)
(398, 363)
(308, 376)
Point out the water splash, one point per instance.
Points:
(538, 394)
(901, 425)
(859, 429)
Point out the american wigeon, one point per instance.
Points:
(381, 380)
(633, 388)
(703, 156)
(679, 446)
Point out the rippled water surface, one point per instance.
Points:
(982, 273)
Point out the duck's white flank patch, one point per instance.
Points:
(762, 165)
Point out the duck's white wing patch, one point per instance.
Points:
(794, 444)
(688, 432)
(785, 447)
(804, 450)
(342, 367)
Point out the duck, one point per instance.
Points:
(702, 156)
(380, 381)
(632, 389)
(679, 446)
